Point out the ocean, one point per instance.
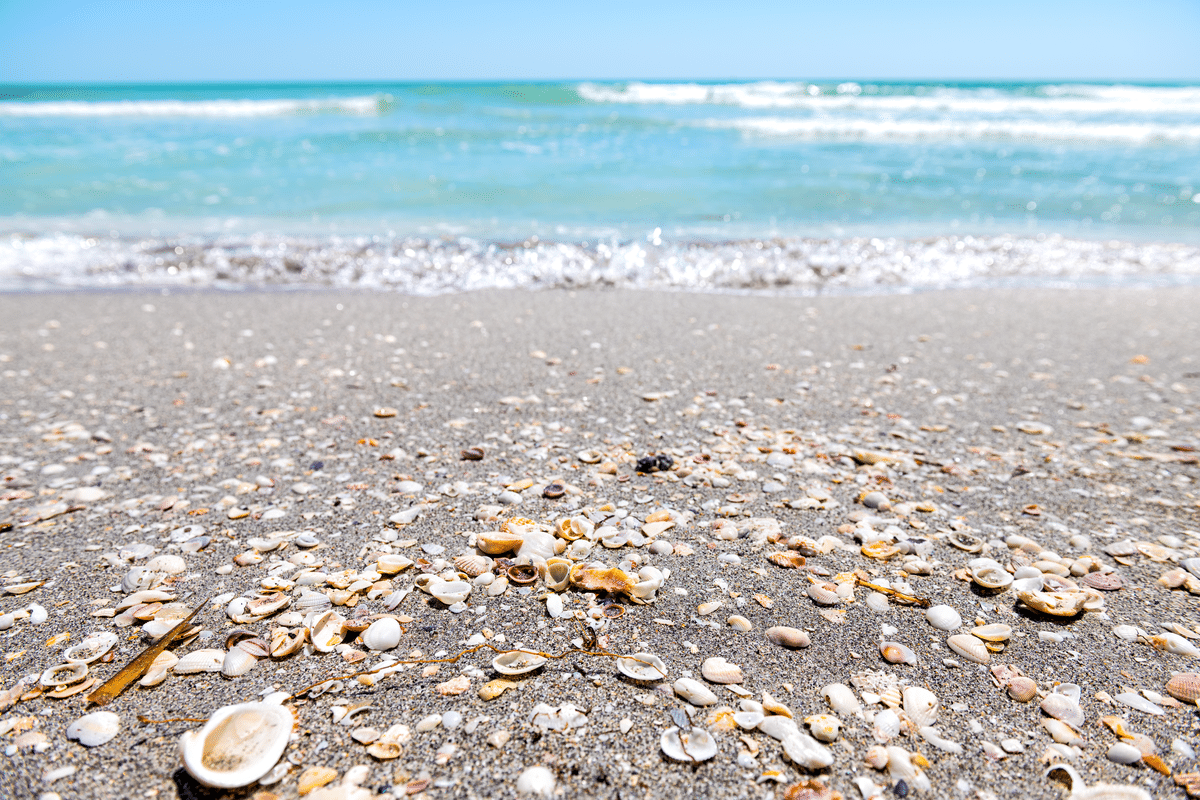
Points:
(781, 186)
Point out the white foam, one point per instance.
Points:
(364, 106)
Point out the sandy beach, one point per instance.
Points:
(1026, 419)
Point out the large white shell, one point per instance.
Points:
(921, 706)
(206, 660)
(970, 648)
(886, 726)
(168, 564)
(517, 662)
(1098, 791)
(92, 730)
(237, 662)
(557, 574)
(238, 745)
(643, 667)
(326, 631)
(901, 768)
(1063, 708)
(718, 670)
(536, 545)
(841, 699)
(383, 634)
(450, 592)
(694, 692)
(91, 648)
(696, 744)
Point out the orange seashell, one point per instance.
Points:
(517, 525)
(811, 790)
(787, 560)
(1185, 686)
(881, 551)
(610, 579)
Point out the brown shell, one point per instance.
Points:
(1104, 581)
(787, 560)
(611, 579)
(1185, 686)
(811, 790)
(523, 574)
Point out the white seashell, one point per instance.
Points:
(897, 653)
(1098, 791)
(970, 648)
(1121, 753)
(695, 692)
(991, 577)
(841, 699)
(1071, 690)
(643, 667)
(921, 706)
(931, 735)
(886, 725)
(1063, 708)
(313, 602)
(1175, 644)
(740, 623)
(824, 727)
(206, 660)
(93, 730)
(536, 545)
(159, 667)
(1139, 703)
(557, 574)
(748, 720)
(91, 648)
(517, 662)
(718, 670)
(237, 662)
(390, 564)
(64, 674)
(1033, 583)
(1060, 731)
(996, 632)
(693, 745)
(451, 592)
(650, 580)
(238, 745)
(805, 751)
(167, 564)
(877, 601)
(944, 618)
(537, 781)
(901, 768)
(382, 634)
(473, 565)
(326, 630)
(824, 594)
(1127, 632)
(554, 605)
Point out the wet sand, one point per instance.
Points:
(176, 394)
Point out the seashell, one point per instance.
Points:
(944, 618)
(554, 605)
(497, 543)
(139, 579)
(391, 564)
(557, 574)
(787, 560)
(805, 751)
(1174, 643)
(493, 689)
(969, 648)
(772, 705)
(886, 726)
(522, 574)
(694, 692)
(921, 706)
(788, 637)
(740, 623)
(995, 632)
(472, 565)
(517, 662)
(824, 727)
(383, 634)
(157, 672)
(206, 660)
(536, 781)
(537, 545)
(1058, 604)
(259, 648)
(1121, 753)
(313, 602)
(901, 769)
(897, 653)
(650, 580)
(1184, 686)
(95, 729)
(1139, 703)
(695, 744)
(265, 605)
(704, 609)
(876, 757)
(841, 699)
(642, 667)
(238, 745)
(62, 675)
(167, 565)
(451, 592)
(824, 594)
(1063, 708)
(326, 630)
(748, 720)
(1097, 791)
(877, 601)
(965, 541)
(93, 647)
(880, 550)
(285, 643)
(1060, 731)
(718, 670)
(600, 579)
(237, 662)
(991, 577)
(1022, 689)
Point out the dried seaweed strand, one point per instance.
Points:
(142, 718)
(923, 602)
(138, 666)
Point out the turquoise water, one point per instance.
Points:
(603, 182)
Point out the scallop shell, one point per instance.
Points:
(206, 660)
(788, 637)
(1184, 686)
(237, 662)
(643, 667)
(473, 565)
(824, 594)
(383, 634)
(694, 692)
(969, 648)
(517, 662)
(93, 647)
(841, 699)
(557, 574)
(944, 618)
(921, 706)
(62, 675)
(238, 745)
(695, 744)
(326, 630)
(718, 670)
(897, 653)
(93, 730)
(1063, 708)
(995, 632)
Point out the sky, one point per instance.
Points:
(48, 41)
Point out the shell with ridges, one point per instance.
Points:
(824, 594)
(1185, 686)
(970, 648)
(718, 670)
(995, 632)
(238, 745)
(1022, 689)
(694, 692)
(921, 706)
(383, 634)
(204, 660)
(473, 565)
(788, 637)
(1063, 708)
(237, 662)
(944, 618)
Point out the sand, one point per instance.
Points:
(197, 388)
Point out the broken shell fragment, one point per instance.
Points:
(1063, 708)
(695, 744)
(497, 543)
(95, 729)
(694, 692)
(642, 667)
(238, 745)
(517, 662)
(93, 647)
(600, 579)
(1057, 604)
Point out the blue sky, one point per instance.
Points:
(217, 40)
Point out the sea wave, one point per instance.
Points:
(279, 107)
(1065, 131)
(439, 265)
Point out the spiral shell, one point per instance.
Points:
(969, 648)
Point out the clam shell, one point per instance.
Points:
(391, 563)
(167, 564)
(897, 653)
(1184, 686)
(1063, 708)
(237, 662)
(694, 692)
(517, 662)
(970, 648)
(497, 543)
(159, 667)
(451, 592)
(267, 604)
(383, 634)
(93, 730)
(886, 725)
(944, 618)
(557, 574)
(995, 632)
(62, 675)
(991, 577)
(643, 667)
(284, 642)
(206, 660)
(921, 706)
(327, 630)
(824, 594)
(788, 637)
(313, 602)
(238, 745)
(966, 542)
(841, 699)
(91, 648)
(695, 744)
(1022, 689)
(472, 565)
(718, 670)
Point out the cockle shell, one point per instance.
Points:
(824, 594)
(1022, 689)
(383, 634)
(327, 630)
(921, 706)
(473, 565)
(205, 660)
(1063, 708)
(841, 699)
(695, 744)
(92, 730)
(237, 662)
(694, 692)
(788, 637)
(970, 648)
(538, 546)
(313, 602)
(897, 653)
(1184, 686)
(517, 662)
(886, 726)
(718, 670)
(944, 618)
(93, 647)
(643, 667)
(238, 745)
